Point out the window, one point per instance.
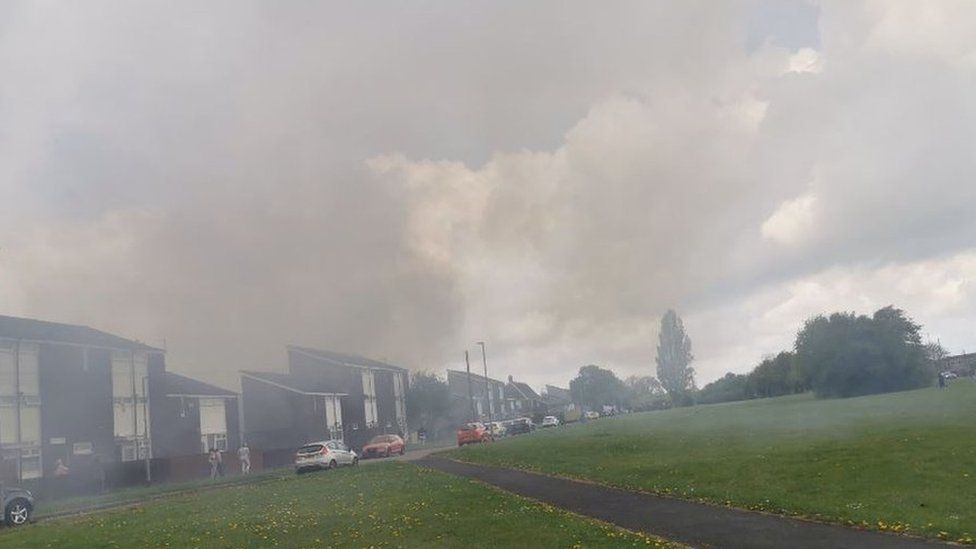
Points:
(213, 417)
(401, 412)
(369, 397)
(129, 371)
(214, 440)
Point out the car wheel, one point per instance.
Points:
(333, 464)
(403, 451)
(355, 461)
(17, 513)
(387, 453)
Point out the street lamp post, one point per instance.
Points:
(470, 395)
(484, 360)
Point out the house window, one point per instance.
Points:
(369, 397)
(214, 440)
(401, 412)
(134, 449)
(129, 371)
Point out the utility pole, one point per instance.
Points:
(145, 426)
(470, 395)
(484, 360)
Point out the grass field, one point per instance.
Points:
(902, 461)
(383, 505)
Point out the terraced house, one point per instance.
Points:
(323, 395)
(473, 396)
(75, 394)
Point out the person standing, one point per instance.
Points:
(244, 456)
(214, 459)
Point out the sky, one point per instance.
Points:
(402, 180)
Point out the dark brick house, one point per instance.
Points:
(522, 399)
(323, 395)
(486, 394)
(73, 393)
(196, 417)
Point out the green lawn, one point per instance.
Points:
(902, 461)
(383, 505)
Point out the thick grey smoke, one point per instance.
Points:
(403, 180)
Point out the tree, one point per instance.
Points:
(674, 358)
(730, 388)
(847, 355)
(645, 393)
(777, 376)
(428, 402)
(595, 387)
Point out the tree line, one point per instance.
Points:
(838, 355)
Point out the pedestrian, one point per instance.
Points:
(214, 459)
(60, 469)
(942, 381)
(244, 456)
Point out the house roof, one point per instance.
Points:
(55, 332)
(558, 393)
(343, 359)
(307, 385)
(474, 376)
(524, 390)
(177, 385)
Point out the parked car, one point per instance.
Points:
(384, 446)
(327, 454)
(550, 421)
(591, 414)
(520, 426)
(471, 433)
(498, 428)
(18, 505)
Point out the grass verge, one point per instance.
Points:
(903, 462)
(385, 505)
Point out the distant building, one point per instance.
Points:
(323, 395)
(522, 399)
(962, 365)
(559, 402)
(485, 395)
(76, 394)
(196, 417)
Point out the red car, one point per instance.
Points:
(471, 433)
(384, 446)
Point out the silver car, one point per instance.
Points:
(327, 454)
(17, 505)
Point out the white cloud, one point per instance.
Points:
(793, 222)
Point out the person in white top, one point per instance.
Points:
(244, 455)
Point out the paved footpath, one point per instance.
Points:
(691, 523)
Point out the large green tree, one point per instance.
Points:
(847, 355)
(674, 360)
(595, 387)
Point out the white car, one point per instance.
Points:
(590, 414)
(327, 454)
(550, 421)
(497, 428)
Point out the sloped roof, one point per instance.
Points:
(309, 385)
(345, 359)
(55, 332)
(474, 376)
(559, 393)
(177, 385)
(525, 390)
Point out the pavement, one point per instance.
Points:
(687, 522)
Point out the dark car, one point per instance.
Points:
(18, 505)
(519, 427)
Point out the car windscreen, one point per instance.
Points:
(382, 438)
(310, 449)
